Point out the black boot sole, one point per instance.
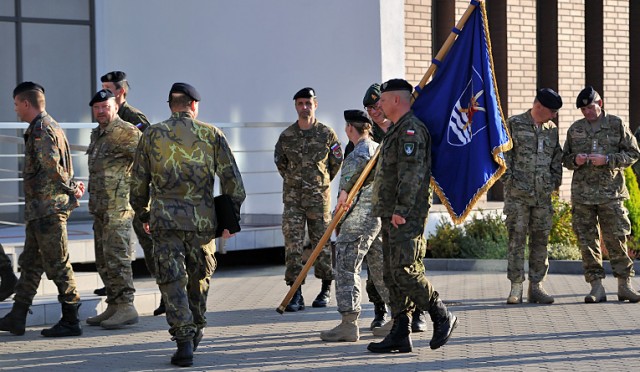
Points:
(182, 362)
(388, 350)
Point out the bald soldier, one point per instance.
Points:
(597, 149)
(308, 156)
(534, 171)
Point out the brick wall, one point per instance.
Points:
(417, 39)
(616, 58)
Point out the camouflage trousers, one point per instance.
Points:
(534, 221)
(294, 220)
(46, 250)
(5, 261)
(111, 231)
(357, 234)
(610, 219)
(376, 289)
(403, 249)
(184, 264)
(146, 243)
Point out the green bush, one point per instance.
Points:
(559, 251)
(445, 242)
(561, 229)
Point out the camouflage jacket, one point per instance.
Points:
(307, 161)
(175, 165)
(353, 164)
(48, 170)
(534, 165)
(403, 171)
(377, 134)
(134, 116)
(599, 184)
(111, 153)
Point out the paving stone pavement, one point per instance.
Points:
(245, 333)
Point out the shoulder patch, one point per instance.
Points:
(409, 148)
(411, 132)
(336, 150)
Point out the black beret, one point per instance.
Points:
(113, 77)
(549, 98)
(185, 89)
(101, 96)
(357, 116)
(305, 93)
(27, 86)
(372, 95)
(586, 97)
(396, 84)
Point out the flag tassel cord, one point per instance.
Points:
(363, 176)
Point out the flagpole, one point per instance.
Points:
(372, 162)
(445, 47)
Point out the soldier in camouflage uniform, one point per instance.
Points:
(50, 196)
(308, 156)
(8, 279)
(358, 229)
(534, 171)
(111, 151)
(597, 149)
(116, 82)
(172, 190)
(401, 199)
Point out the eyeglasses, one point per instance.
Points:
(371, 108)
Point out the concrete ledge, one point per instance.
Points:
(555, 266)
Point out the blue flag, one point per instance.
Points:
(461, 109)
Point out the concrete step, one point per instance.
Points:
(46, 308)
(85, 282)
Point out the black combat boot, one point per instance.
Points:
(324, 296)
(418, 321)
(161, 309)
(398, 340)
(69, 325)
(8, 283)
(443, 322)
(297, 302)
(101, 291)
(380, 315)
(16, 320)
(197, 338)
(183, 357)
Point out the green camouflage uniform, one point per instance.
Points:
(401, 186)
(5, 261)
(134, 116)
(534, 171)
(49, 200)
(358, 230)
(174, 169)
(111, 153)
(598, 192)
(307, 161)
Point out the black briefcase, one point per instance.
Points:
(226, 215)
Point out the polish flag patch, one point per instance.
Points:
(410, 132)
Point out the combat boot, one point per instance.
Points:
(324, 296)
(197, 338)
(398, 340)
(69, 325)
(16, 320)
(8, 281)
(96, 320)
(626, 291)
(537, 294)
(418, 321)
(183, 357)
(515, 296)
(380, 315)
(125, 314)
(345, 331)
(101, 291)
(443, 322)
(597, 293)
(161, 309)
(297, 302)
(384, 330)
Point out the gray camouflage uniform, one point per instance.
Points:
(357, 233)
(534, 171)
(598, 192)
(307, 160)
